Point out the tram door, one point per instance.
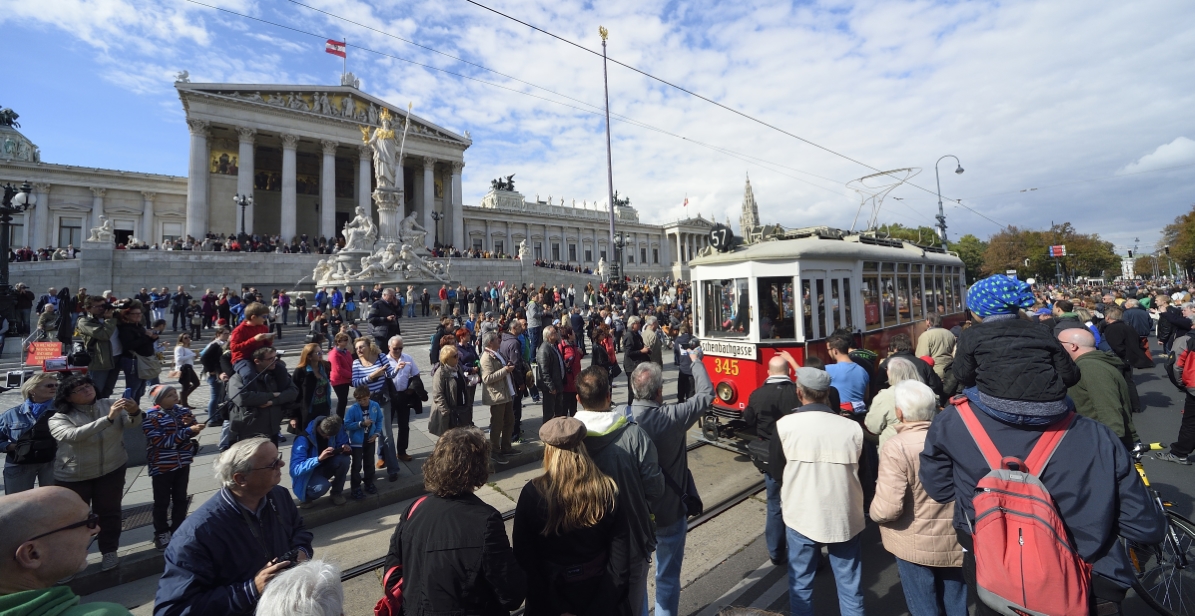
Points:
(825, 302)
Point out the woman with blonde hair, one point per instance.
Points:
(448, 391)
(569, 534)
(881, 415)
(25, 436)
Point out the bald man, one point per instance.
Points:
(1102, 392)
(774, 399)
(47, 531)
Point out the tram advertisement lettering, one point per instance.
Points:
(728, 367)
(728, 349)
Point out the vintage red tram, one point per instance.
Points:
(791, 292)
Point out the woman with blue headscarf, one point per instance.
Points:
(1009, 366)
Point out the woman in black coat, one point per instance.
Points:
(449, 553)
(66, 319)
(136, 342)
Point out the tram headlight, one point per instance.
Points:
(724, 391)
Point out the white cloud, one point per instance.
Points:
(1178, 152)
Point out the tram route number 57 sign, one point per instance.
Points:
(721, 238)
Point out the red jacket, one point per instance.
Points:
(241, 341)
(342, 366)
(443, 293)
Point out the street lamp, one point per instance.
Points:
(15, 202)
(941, 212)
(244, 201)
(437, 216)
(619, 242)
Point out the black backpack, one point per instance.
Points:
(36, 445)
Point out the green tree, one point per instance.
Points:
(970, 249)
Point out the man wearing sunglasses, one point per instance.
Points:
(44, 536)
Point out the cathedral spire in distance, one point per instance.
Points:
(749, 220)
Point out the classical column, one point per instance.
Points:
(485, 241)
(197, 207)
(458, 212)
(429, 199)
(327, 226)
(245, 176)
(97, 205)
(41, 217)
(147, 216)
(680, 256)
(364, 176)
(508, 248)
(288, 220)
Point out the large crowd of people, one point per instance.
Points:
(1038, 378)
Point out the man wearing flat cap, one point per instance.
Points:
(815, 456)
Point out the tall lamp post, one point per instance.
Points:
(619, 242)
(243, 201)
(609, 156)
(437, 216)
(942, 212)
(15, 202)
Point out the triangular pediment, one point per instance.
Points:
(342, 103)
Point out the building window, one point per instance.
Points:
(572, 252)
(643, 256)
(171, 231)
(555, 251)
(477, 243)
(498, 247)
(589, 256)
(655, 256)
(602, 254)
(539, 250)
(70, 231)
(14, 235)
(630, 257)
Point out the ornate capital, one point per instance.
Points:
(365, 152)
(428, 161)
(457, 166)
(98, 192)
(289, 142)
(199, 128)
(42, 188)
(246, 134)
(149, 195)
(329, 147)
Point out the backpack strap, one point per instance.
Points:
(982, 440)
(1044, 450)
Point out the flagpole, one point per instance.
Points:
(609, 160)
(344, 60)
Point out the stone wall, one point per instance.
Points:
(125, 272)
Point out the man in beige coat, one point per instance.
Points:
(921, 536)
(938, 343)
(498, 392)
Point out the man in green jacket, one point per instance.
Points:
(47, 532)
(98, 328)
(1101, 393)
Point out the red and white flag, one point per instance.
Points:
(336, 48)
(686, 203)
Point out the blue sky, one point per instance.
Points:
(1092, 106)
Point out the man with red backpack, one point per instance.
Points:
(1055, 489)
(1180, 367)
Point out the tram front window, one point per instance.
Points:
(726, 307)
(777, 320)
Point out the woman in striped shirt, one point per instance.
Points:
(371, 369)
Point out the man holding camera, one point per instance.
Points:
(258, 399)
(228, 550)
(98, 329)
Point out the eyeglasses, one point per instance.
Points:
(91, 523)
(275, 465)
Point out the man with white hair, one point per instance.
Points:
(653, 340)
(228, 550)
(667, 426)
(311, 588)
(1101, 393)
(635, 350)
(44, 536)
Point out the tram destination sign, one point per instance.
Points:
(721, 348)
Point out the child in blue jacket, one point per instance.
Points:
(364, 427)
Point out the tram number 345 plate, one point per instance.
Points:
(726, 366)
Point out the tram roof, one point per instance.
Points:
(830, 247)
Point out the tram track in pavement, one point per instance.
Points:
(709, 514)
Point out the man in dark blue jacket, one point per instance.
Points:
(226, 552)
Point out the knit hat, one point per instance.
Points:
(998, 294)
(563, 432)
(158, 392)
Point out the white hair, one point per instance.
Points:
(647, 380)
(393, 339)
(900, 370)
(916, 401)
(311, 588)
(237, 459)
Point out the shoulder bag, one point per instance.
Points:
(391, 602)
(36, 445)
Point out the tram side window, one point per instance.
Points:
(957, 283)
(807, 307)
(888, 294)
(846, 304)
(871, 295)
(918, 304)
(948, 290)
(777, 318)
(726, 309)
(902, 292)
(835, 302)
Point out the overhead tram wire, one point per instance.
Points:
(768, 165)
